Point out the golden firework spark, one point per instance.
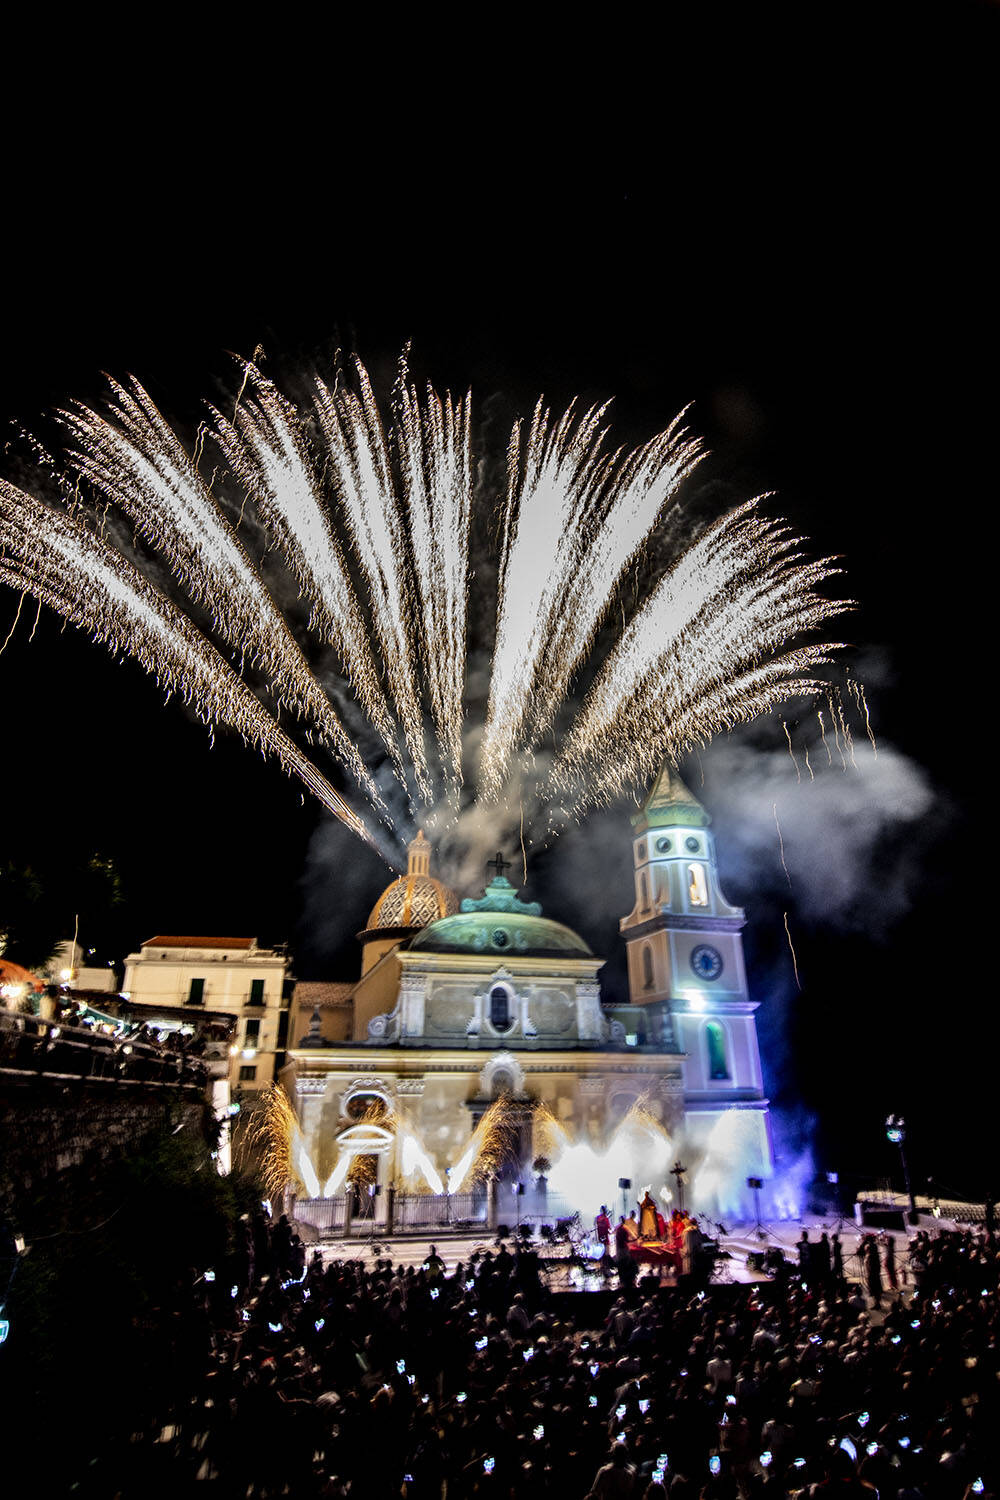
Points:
(491, 1146)
(273, 1130)
(549, 1138)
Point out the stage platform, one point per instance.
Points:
(578, 1267)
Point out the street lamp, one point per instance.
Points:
(895, 1131)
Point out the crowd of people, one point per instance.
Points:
(294, 1375)
(73, 1044)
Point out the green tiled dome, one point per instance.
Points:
(499, 924)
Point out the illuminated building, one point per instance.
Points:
(180, 980)
(457, 1007)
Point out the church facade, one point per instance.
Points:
(463, 1003)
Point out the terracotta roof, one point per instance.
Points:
(11, 973)
(325, 994)
(199, 942)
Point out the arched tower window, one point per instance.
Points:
(500, 1015)
(697, 888)
(643, 892)
(715, 1039)
(648, 978)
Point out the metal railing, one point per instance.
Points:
(30, 1046)
(325, 1215)
(442, 1211)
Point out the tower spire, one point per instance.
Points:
(670, 804)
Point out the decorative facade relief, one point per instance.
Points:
(501, 1062)
(412, 992)
(384, 1028)
(589, 1017)
(671, 1093)
(305, 1087)
(368, 1085)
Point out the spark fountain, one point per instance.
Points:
(369, 528)
(491, 1144)
(284, 1156)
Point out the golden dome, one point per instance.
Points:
(416, 898)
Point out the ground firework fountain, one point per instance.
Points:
(180, 558)
(285, 1160)
(490, 1147)
(583, 1176)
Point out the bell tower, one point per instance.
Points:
(685, 957)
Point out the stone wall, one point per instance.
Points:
(51, 1127)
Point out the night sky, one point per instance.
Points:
(812, 270)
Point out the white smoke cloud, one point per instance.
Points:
(853, 838)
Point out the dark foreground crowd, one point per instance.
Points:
(293, 1378)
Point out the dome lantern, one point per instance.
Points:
(408, 904)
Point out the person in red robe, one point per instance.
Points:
(603, 1226)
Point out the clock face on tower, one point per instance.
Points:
(706, 961)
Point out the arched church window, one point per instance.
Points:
(500, 1014)
(643, 892)
(503, 1083)
(648, 978)
(697, 888)
(715, 1038)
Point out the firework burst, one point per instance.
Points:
(368, 527)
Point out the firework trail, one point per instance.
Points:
(781, 844)
(822, 731)
(791, 949)
(788, 737)
(266, 450)
(861, 700)
(703, 654)
(373, 526)
(93, 586)
(361, 466)
(134, 459)
(574, 521)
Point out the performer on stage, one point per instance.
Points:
(603, 1226)
(648, 1229)
(691, 1244)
